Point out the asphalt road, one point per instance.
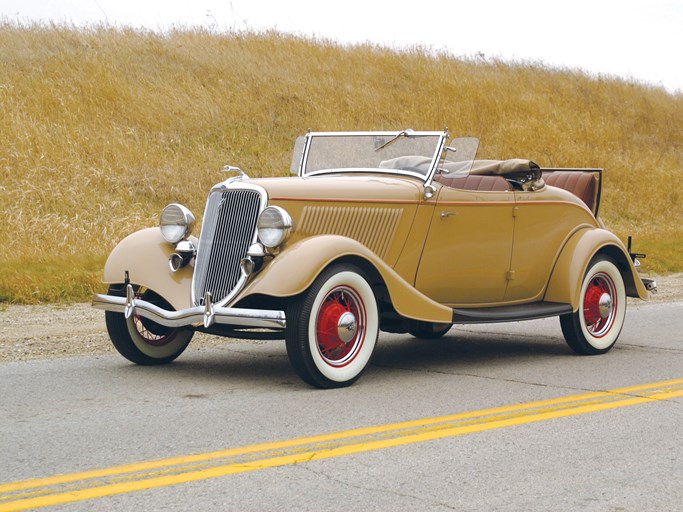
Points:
(254, 427)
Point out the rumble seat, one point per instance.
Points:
(472, 182)
(582, 184)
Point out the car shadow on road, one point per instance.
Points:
(248, 363)
(460, 350)
(265, 363)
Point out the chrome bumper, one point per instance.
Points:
(206, 315)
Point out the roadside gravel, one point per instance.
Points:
(51, 331)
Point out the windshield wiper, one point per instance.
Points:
(405, 133)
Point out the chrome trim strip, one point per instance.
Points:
(378, 133)
(436, 160)
(204, 315)
(366, 170)
(304, 155)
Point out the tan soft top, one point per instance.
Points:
(492, 167)
(478, 167)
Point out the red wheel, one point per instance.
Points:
(340, 326)
(600, 305)
(332, 329)
(595, 327)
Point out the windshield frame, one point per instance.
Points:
(426, 178)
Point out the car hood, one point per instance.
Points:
(343, 187)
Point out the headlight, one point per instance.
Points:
(274, 225)
(176, 223)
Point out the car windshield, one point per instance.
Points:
(405, 152)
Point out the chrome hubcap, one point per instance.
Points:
(605, 305)
(347, 327)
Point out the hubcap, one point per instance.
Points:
(347, 327)
(605, 305)
(340, 326)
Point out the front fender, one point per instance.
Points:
(144, 255)
(565, 282)
(294, 270)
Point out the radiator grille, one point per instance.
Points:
(228, 229)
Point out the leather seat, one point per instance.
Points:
(581, 184)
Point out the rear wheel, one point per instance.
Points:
(143, 341)
(332, 328)
(595, 326)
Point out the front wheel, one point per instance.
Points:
(595, 326)
(332, 328)
(143, 341)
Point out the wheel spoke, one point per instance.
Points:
(155, 339)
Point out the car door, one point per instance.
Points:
(466, 256)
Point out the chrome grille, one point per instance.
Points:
(228, 229)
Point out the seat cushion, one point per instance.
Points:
(582, 184)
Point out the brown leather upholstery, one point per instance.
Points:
(581, 184)
(478, 183)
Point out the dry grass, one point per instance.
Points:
(102, 127)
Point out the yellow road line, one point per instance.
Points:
(59, 489)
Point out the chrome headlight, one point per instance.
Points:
(274, 225)
(176, 223)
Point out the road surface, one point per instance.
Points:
(491, 417)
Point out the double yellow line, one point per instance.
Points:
(59, 489)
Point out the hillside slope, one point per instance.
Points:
(101, 128)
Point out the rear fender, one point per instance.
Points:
(144, 255)
(294, 270)
(565, 282)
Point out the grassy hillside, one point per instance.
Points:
(101, 128)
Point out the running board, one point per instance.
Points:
(510, 313)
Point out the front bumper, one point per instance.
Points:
(206, 315)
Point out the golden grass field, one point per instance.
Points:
(102, 127)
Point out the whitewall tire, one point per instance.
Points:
(595, 326)
(332, 328)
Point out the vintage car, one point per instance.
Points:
(400, 232)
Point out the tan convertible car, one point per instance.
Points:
(378, 231)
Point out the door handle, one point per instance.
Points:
(447, 214)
